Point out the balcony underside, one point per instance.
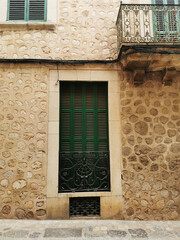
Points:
(150, 58)
(141, 59)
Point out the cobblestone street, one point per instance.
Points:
(85, 229)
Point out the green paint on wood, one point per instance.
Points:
(82, 117)
(27, 10)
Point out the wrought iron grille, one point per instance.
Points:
(84, 206)
(148, 24)
(84, 172)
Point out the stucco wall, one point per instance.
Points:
(23, 141)
(150, 116)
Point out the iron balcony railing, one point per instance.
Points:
(84, 172)
(148, 24)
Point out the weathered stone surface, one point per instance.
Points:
(29, 204)
(160, 204)
(158, 185)
(40, 204)
(141, 128)
(144, 160)
(41, 212)
(161, 148)
(131, 140)
(159, 129)
(153, 111)
(154, 167)
(149, 140)
(130, 211)
(62, 232)
(141, 110)
(127, 128)
(171, 133)
(165, 193)
(2, 164)
(4, 183)
(133, 118)
(6, 210)
(175, 148)
(36, 165)
(116, 233)
(142, 149)
(138, 233)
(163, 119)
(16, 234)
(19, 184)
(30, 215)
(126, 151)
(20, 213)
(174, 165)
(146, 186)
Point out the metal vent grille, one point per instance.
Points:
(84, 207)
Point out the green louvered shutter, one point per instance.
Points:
(84, 147)
(27, 10)
(166, 20)
(83, 117)
(37, 10)
(16, 10)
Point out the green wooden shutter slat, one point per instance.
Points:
(72, 118)
(89, 125)
(16, 9)
(37, 9)
(95, 117)
(84, 118)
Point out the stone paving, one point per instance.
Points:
(89, 229)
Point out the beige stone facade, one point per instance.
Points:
(143, 119)
(81, 30)
(23, 137)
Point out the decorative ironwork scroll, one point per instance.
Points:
(148, 24)
(84, 172)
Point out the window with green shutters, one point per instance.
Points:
(84, 147)
(27, 10)
(166, 19)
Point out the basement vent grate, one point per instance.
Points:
(84, 207)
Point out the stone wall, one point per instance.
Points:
(23, 141)
(84, 30)
(151, 148)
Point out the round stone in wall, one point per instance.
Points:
(141, 128)
(126, 151)
(175, 148)
(20, 213)
(141, 110)
(19, 184)
(127, 128)
(159, 129)
(6, 210)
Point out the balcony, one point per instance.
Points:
(148, 24)
(146, 33)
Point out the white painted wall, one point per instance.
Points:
(3, 10)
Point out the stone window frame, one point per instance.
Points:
(58, 203)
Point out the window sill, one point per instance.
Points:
(12, 26)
